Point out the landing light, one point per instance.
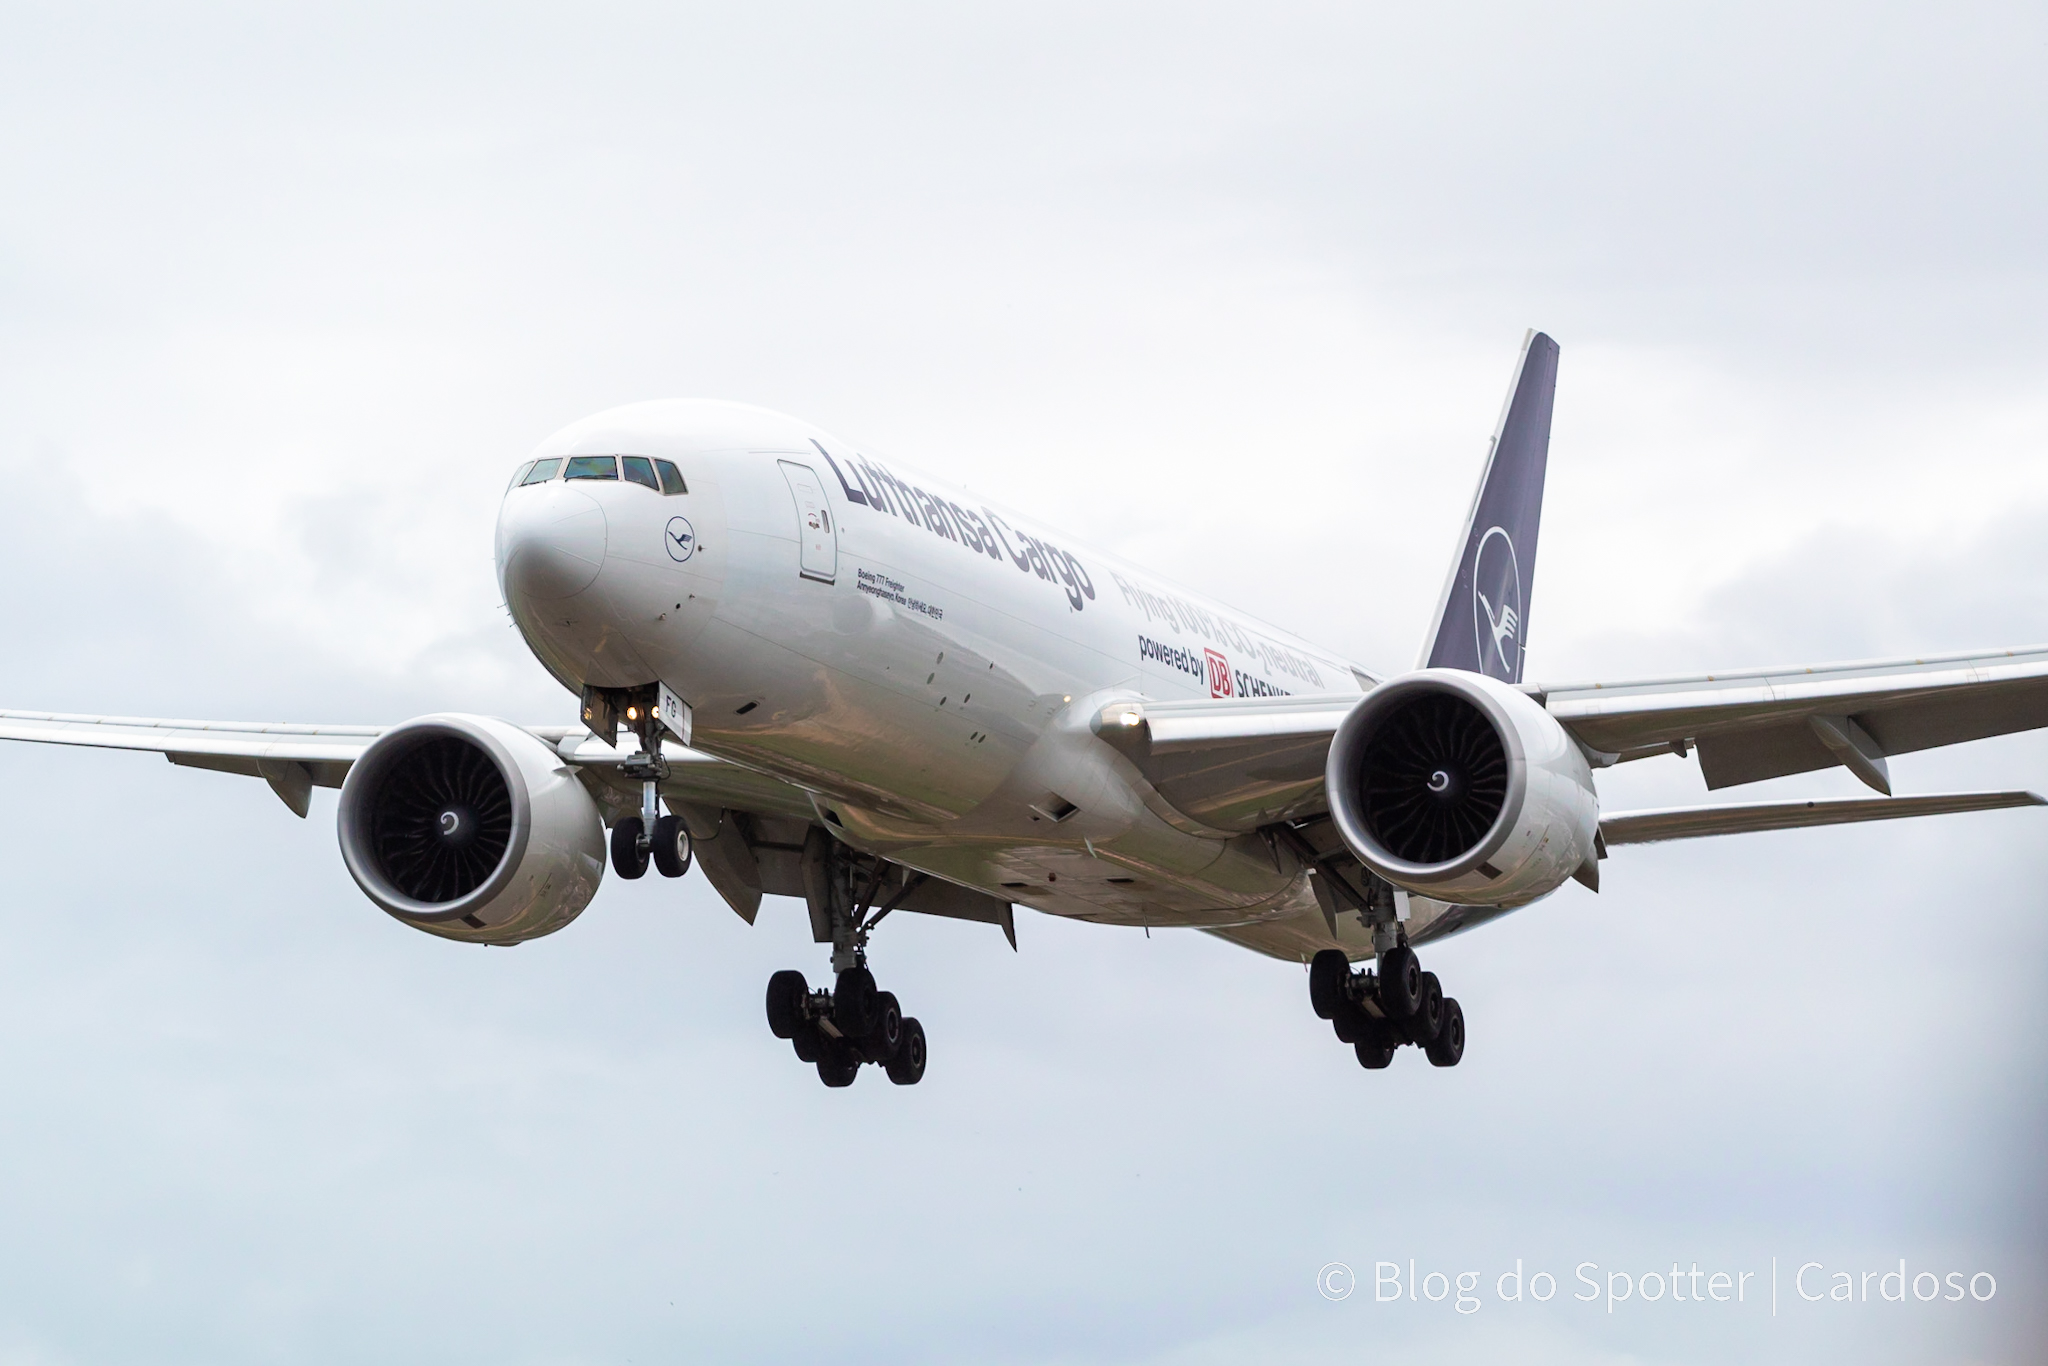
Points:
(632, 713)
(1129, 718)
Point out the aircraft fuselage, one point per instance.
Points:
(924, 661)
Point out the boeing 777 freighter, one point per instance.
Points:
(808, 671)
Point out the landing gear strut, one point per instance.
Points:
(1378, 1012)
(649, 836)
(853, 1022)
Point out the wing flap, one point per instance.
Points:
(1692, 822)
(1750, 756)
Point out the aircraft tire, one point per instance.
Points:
(786, 992)
(886, 1037)
(1327, 973)
(837, 1066)
(671, 846)
(1400, 983)
(629, 860)
(853, 1003)
(907, 1067)
(1375, 1049)
(1428, 1019)
(1350, 1022)
(808, 1041)
(1449, 1044)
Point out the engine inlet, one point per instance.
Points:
(1435, 779)
(443, 820)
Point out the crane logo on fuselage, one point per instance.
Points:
(681, 539)
(1497, 610)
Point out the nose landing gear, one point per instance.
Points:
(1377, 1013)
(649, 836)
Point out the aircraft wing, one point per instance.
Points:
(1766, 723)
(748, 828)
(1229, 763)
(752, 833)
(1235, 764)
(1691, 822)
(694, 776)
(1297, 938)
(296, 758)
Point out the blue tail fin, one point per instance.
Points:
(1482, 621)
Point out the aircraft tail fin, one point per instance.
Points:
(1482, 619)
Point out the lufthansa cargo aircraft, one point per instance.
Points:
(809, 671)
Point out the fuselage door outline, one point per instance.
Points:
(817, 538)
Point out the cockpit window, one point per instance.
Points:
(592, 467)
(640, 470)
(671, 478)
(519, 474)
(539, 472)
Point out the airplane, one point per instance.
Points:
(808, 671)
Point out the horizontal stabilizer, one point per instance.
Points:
(1690, 822)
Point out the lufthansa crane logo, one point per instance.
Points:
(1497, 605)
(682, 539)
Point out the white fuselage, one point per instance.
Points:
(924, 662)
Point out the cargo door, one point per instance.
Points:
(817, 539)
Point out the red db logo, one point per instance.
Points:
(1219, 674)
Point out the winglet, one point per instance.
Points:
(1482, 619)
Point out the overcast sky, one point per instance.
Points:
(286, 294)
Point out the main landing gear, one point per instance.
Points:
(842, 1028)
(1376, 1014)
(854, 1022)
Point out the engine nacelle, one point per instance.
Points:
(472, 829)
(1460, 788)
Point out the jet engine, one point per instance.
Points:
(472, 829)
(1458, 787)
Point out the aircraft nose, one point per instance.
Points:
(551, 542)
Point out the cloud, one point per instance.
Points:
(285, 298)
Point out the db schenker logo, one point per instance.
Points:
(1219, 674)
